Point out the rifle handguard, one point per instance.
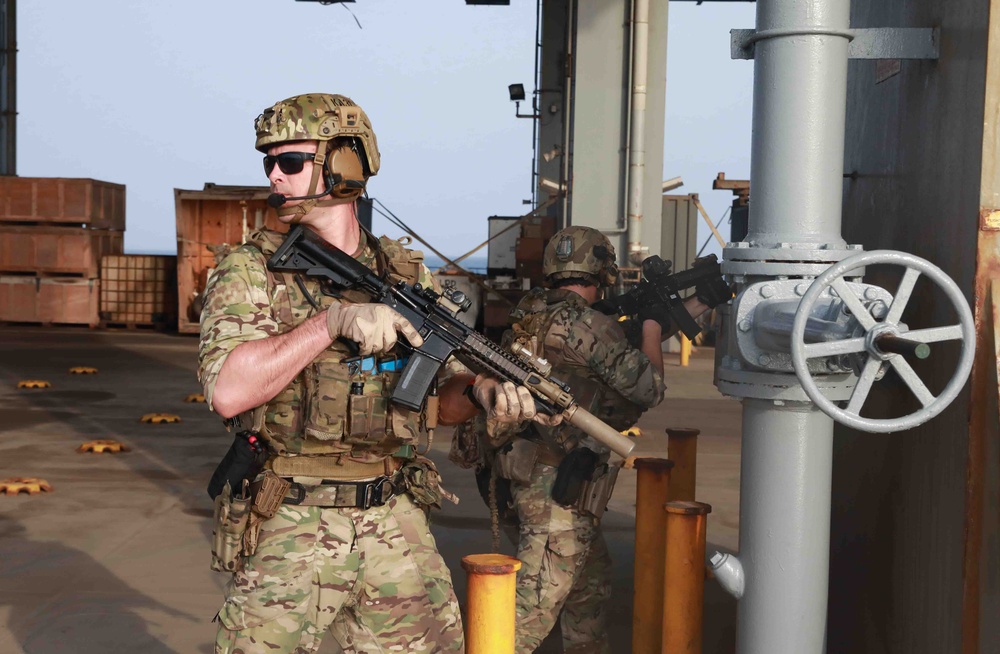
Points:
(598, 430)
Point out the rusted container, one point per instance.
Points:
(210, 222)
(139, 291)
(49, 300)
(529, 250)
(538, 227)
(62, 201)
(44, 250)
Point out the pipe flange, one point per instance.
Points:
(756, 259)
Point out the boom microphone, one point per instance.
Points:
(275, 200)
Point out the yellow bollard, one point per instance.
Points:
(685, 350)
(684, 577)
(682, 448)
(651, 493)
(489, 625)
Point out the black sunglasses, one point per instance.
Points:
(290, 163)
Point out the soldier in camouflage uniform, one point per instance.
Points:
(309, 370)
(565, 563)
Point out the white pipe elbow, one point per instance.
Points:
(729, 572)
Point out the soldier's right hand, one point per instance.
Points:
(372, 326)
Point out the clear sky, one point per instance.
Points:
(162, 95)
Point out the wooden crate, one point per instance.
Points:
(55, 200)
(215, 216)
(139, 291)
(56, 250)
(49, 300)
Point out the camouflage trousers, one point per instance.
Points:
(373, 578)
(565, 570)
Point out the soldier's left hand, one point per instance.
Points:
(503, 401)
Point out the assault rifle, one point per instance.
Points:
(434, 316)
(657, 295)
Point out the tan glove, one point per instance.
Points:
(507, 404)
(372, 326)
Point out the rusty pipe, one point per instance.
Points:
(651, 493)
(682, 449)
(489, 625)
(684, 577)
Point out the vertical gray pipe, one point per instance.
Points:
(784, 528)
(799, 109)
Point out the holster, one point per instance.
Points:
(576, 468)
(231, 518)
(244, 459)
(596, 491)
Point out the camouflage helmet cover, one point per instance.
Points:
(580, 252)
(318, 117)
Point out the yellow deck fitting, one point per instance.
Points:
(82, 370)
(632, 432)
(33, 383)
(26, 485)
(195, 397)
(100, 446)
(158, 418)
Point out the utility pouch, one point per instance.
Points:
(229, 525)
(576, 468)
(245, 458)
(516, 460)
(420, 479)
(596, 492)
(268, 494)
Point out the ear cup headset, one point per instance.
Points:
(347, 153)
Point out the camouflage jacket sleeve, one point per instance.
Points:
(597, 342)
(237, 309)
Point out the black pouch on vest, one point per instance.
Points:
(245, 458)
(577, 467)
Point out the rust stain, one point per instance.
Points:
(989, 220)
(984, 380)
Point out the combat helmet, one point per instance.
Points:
(348, 152)
(582, 252)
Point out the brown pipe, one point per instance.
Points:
(684, 577)
(651, 493)
(682, 448)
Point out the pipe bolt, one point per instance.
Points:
(767, 291)
(800, 289)
(744, 325)
(764, 360)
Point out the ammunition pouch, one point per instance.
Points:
(229, 526)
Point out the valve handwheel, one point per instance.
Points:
(887, 329)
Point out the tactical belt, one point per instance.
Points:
(341, 495)
(333, 494)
